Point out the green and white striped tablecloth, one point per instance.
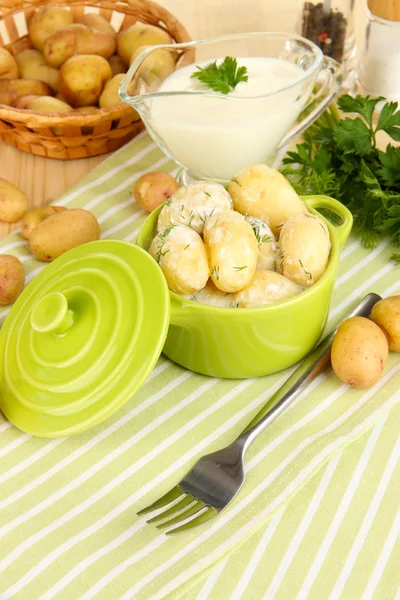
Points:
(318, 517)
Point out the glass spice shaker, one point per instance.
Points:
(329, 24)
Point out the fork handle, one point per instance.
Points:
(314, 363)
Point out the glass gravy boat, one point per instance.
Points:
(214, 135)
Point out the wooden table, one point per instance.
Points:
(43, 179)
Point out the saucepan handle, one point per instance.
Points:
(343, 219)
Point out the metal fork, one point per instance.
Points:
(216, 478)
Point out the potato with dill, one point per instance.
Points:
(267, 246)
(12, 278)
(232, 249)
(264, 193)
(152, 189)
(214, 297)
(182, 256)
(266, 287)
(193, 203)
(304, 249)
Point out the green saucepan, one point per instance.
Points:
(250, 342)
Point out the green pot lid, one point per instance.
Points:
(82, 338)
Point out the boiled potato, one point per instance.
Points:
(266, 287)
(12, 89)
(8, 65)
(359, 352)
(82, 79)
(304, 247)
(386, 314)
(152, 189)
(214, 297)
(12, 278)
(193, 203)
(156, 66)
(32, 219)
(45, 22)
(13, 203)
(262, 192)
(74, 40)
(97, 22)
(116, 64)
(63, 231)
(44, 104)
(137, 35)
(232, 249)
(182, 256)
(267, 246)
(31, 65)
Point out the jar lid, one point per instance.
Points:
(82, 338)
(385, 9)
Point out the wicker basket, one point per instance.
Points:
(75, 135)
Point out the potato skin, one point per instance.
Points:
(266, 287)
(304, 249)
(386, 314)
(32, 218)
(232, 249)
(63, 231)
(152, 189)
(182, 256)
(8, 65)
(31, 65)
(139, 34)
(97, 22)
(43, 104)
(74, 40)
(116, 64)
(82, 78)
(13, 202)
(12, 278)
(359, 352)
(262, 192)
(45, 22)
(109, 96)
(12, 89)
(156, 67)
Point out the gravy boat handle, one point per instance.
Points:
(320, 100)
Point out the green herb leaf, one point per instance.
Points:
(240, 268)
(222, 78)
(389, 120)
(361, 105)
(396, 258)
(354, 137)
(390, 170)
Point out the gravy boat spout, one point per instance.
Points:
(213, 132)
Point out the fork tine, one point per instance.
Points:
(168, 498)
(174, 510)
(205, 516)
(191, 511)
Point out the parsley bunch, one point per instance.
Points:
(339, 157)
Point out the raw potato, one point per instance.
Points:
(32, 218)
(82, 79)
(214, 297)
(43, 104)
(12, 278)
(12, 89)
(8, 65)
(77, 40)
(386, 314)
(232, 249)
(304, 249)
(156, 66)
(262, 192)
(109, 95)
(116, 64)
(45, 22)
(62, 232)
(359, 352)
(267, 246)
(137, 35)
(13, 203)
(97, 22)
(31, 65)
(266, 287)
(182, 256)
(152, 189)
(85, 109)
(193, 203)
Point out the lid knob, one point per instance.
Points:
(51, 313)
